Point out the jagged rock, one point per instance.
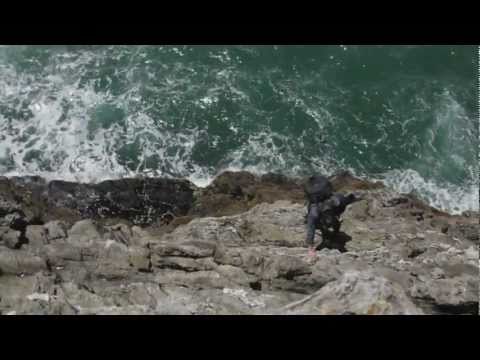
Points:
(456, 262)
(16, 262)
(22, 196)
(280, 225)
(145, 294)
(358, 211)
(207, 230)
(362, 238)
(28, 294)
(195, 280)
(112, 263)
(140, 201)
(85, 232)
(58, 254)
(10, 238)
(251, 260)
(228, 256)
(232, 182)
(287, 267)
(441, 224)
(37, 236)
(138, 232)
(327, 268)
(235, 192)
(460, 294)
(238, 276)
(80, 300)
(182, 263)
(92, 258)
(468, 231)
(120, 233)
(139, 258)
(359, 293)
(55, 230)
(77, 272)
(190, 249)
(344, 181)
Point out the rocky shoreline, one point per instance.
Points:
(164, 246)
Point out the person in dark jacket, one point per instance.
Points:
(325, 216)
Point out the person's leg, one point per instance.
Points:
(312, 219)
(311, 224)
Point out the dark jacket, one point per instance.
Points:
(324, 215)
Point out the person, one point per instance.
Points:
(324, 209)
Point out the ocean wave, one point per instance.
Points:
(91, 113)
(447, 197)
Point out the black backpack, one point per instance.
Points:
(318, 188)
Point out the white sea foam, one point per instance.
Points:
(451, 198)
(62, 100)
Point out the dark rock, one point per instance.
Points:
(277, 179)
(344, 181)
(230, 182)
(468, 308)
(140, 201)
(23, 195)
(236, 192)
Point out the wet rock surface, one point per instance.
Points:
(137, 201)
(160, 246)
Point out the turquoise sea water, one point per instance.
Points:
(407, 115)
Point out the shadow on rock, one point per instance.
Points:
(335, 241)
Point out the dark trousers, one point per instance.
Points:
(313, 218)
(327, 223)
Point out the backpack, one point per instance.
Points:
(317, 189)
